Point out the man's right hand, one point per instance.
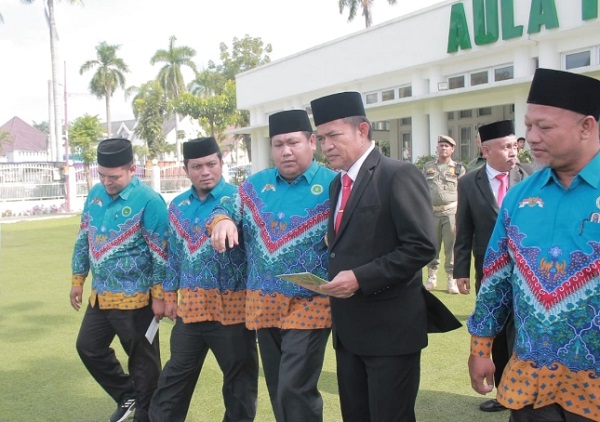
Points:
(481, 371)
(224, 234)
(171, 311)
(464, 285)
(76, 294)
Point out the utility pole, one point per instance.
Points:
(67, 153)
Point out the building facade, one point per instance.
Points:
(446, 69)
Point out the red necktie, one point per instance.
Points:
(503, 187)
(346, 189)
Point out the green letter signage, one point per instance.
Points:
(485, 21)
(589, 9)
(509, 30)
(458, 35)
(542, 13)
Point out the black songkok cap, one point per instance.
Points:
(289, 121)
(200, 147)
(496, 130)
(337, 106)
(115, 152)
(566, 90)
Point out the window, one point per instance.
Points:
(465, 141)
(456, 82)
(383, 125)
(479, 78)
(575, 60)
(405, 91)
(465, 114)
(372, 98)
(485, 111)
(450, 115)
(388, 95)
(503, 73)
(405, 121)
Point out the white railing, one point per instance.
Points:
(48, 188)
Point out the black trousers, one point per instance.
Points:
(503, 342)
(292, 363)
(234, 348)
(98, 330)
(377, 388)
(550, 413)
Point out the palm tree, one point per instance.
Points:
(56, 133)
(353, 6)
(170, 77)
(108, 77)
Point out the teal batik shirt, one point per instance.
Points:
(543, 261)
(123, 241)
(211, 285)
(284, 227)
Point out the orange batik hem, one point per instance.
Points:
(288, 313)
(199, 305)
(524, 383)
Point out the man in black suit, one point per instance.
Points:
(478, 203)
(380, 237)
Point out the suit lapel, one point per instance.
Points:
(483, 183)
(360, 184)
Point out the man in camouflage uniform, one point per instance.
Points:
(442, 177)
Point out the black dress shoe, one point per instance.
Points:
(491, 406)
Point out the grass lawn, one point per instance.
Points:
(42, 378)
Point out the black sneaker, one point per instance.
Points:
(125, 409)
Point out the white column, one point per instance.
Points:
(548, 55)
(71, 187)
(155, 176)
(419, 135)
(394, 138)
(437, 124)
(520, 107)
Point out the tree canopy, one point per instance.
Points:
(109, 75)
(151, 109)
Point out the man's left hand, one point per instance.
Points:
(342, 286)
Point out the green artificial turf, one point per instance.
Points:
(42, 378)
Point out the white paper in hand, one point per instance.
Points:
(152, 330)
(307, 280)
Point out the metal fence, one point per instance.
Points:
(31, 180)
(34, 188)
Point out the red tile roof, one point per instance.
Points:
(24, 137)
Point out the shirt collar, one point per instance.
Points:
(124, 194)
(355, 168)
(588, 174)
(308, 175)
(215, 192)
(492, 172)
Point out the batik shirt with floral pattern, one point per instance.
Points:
(211, 285)
(123, 241)
(543, 261)
(284, 227)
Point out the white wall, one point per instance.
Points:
(413, 50)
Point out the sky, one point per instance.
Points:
(141, 27)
